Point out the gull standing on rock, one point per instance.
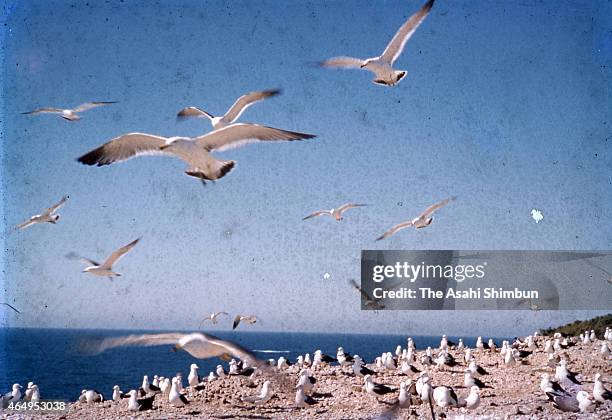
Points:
(149, 388)
(175, 397)
(473, 399)
(194, 378)
(382, 66)
(12, 397)
(27, 395)
(48, 216)
(233, 113)
(93, 396)
(335, 213)
(579, 403)
(68, 114)
(106, 268)
(301, 399)
(139, 404)
(600, 393)
(117, 394)
(194, 151)
(445, 396)
(263, 397)
(423, 220)
(372, 388)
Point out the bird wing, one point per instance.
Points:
(10, 306)
(144, 340)
(44, 111)
(124, 147)
(192, 111)
(347, 206)
(237, 320)
(237, 135)
(431, 209)
(251, 398)
(317, 214)
(115, 256)
(235, 350)
(26, 224)
(56, 206)
(395, 229)
(343, 62)
(75, 256)
(89, 105)
(208, 318)
(396, 46)
(246, 101)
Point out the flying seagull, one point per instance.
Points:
(249, 319)
(106, 268)
(10, 306)
(68, 114)
(423, 220)
(213, 317)
(335, 213)
(194, 151)
(233, 113)
(48, 216)
(372, 303)
(382, 66)
(199, 345)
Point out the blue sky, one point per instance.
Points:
(506, 107)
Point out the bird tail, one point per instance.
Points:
(222, 168)
(218, 170)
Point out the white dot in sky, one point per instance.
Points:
(537, 215)
(326, 276)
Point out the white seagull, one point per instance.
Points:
(175, 397)
(263, 397)
(249, 319)
(194, 151)
(199, 345)
(423, 220)
(213, 317)
(233, 113)
(139, 404)
(382, 66)
(69, 114)
(106, 268)
(47, 216)
(13, 396)
(335, 213)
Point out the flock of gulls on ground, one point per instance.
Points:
(561, 388)
(564, 389)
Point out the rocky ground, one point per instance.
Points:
(514, 393)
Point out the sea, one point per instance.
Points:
(54, 360)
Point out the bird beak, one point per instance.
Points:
(165, 146)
